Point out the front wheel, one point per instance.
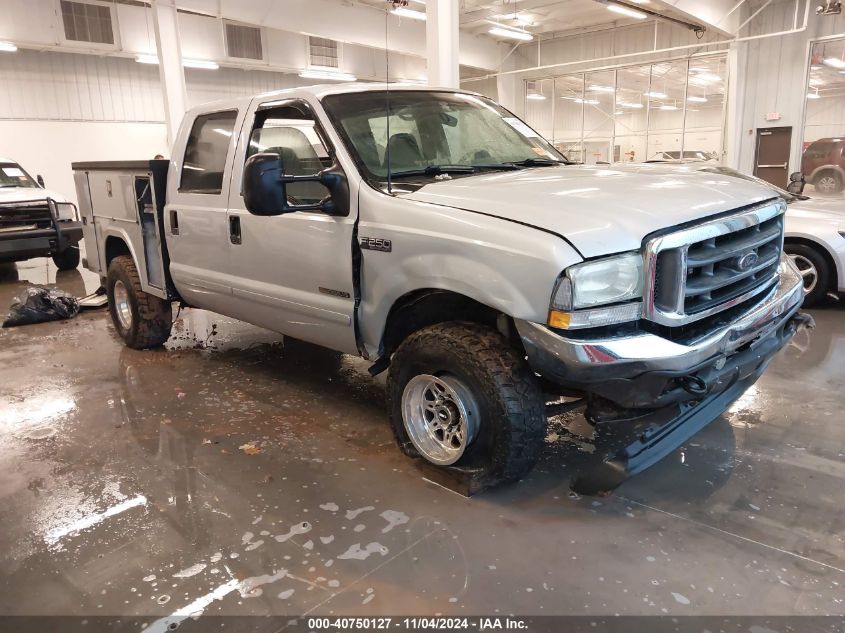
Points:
(68, 259)
(814, 270)
(141, 319)
(829, 183)
(460, 396)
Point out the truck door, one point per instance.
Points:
(196, 224)
(292, 273)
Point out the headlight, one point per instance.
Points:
(65, 211)
(598, 283)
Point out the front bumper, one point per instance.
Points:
(20, 245)
(636, 370)
(650, 394)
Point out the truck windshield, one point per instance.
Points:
(431, 133)
(11, 175)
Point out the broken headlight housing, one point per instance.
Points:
(598, 292)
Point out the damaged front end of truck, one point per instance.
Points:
(719, 301)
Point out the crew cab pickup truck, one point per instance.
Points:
(436, 234)
(35, 222)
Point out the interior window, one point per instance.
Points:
(205, 154)
(291, 132)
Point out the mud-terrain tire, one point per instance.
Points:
(68, 259)
(142, 320)
(479, 365)
(814, 269)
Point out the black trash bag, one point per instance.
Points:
(37, 305)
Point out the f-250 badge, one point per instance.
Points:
(376, 244)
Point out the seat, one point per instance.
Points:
(403, 152)
(299, 159)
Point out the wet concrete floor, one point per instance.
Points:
(232, 473)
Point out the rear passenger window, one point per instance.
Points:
(205, 153)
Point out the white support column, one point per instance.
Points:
(170, 68)
(734, 139)
(441, 35)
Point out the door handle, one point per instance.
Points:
(174, 222)
(235, 229)
(784, 166)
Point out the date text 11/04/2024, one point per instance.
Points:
(418, 623)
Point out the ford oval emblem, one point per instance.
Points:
(748, 261)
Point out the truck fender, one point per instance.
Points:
(437, 274)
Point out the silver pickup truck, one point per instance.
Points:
(439, 236)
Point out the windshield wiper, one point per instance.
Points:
(435, 170)
(537, 162)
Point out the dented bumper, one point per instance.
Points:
(645, 370)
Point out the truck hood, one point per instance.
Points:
(28, 194)
(599, 210)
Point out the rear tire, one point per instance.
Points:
(814, 270)
(460, 396)
(142, 320)
(68, 259)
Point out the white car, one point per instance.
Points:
(814, 236)
(34, 221)
(689, 154)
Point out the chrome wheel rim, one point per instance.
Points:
(808, 271)
(827, 184)
(122, 308)
(440, 416)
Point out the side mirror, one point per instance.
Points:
(796, 183)
(265, 187)
(40, 180)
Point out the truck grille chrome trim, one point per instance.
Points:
(702, 270)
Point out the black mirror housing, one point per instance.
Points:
(40, 180)
(264, 193)
(265, 187)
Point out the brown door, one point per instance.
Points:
(771, 162)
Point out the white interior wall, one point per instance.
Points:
(773, 75)
(49, 147)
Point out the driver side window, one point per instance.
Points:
(291, 132)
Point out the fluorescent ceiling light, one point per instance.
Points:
(601, 88)
(145, 58)
(835, 62)
(535, 96)
(405, 12)
(627, 11)
(814, 95)
(512, 33)
(327, 73)
(656, 95)
(8, 47)
(200, 63)
(588, 101)
(635, 106)
(666, 106)
(695, 99)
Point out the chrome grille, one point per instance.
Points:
(711, 267)
(25, 215)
